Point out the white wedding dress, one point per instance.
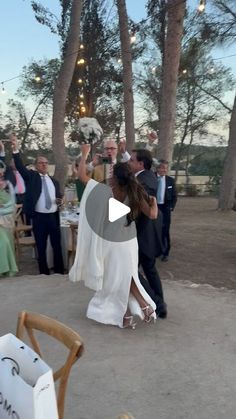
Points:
(107, 267)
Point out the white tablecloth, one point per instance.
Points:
(65, 220)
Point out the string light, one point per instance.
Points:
(81, 103)
(3, 89)
(132, 38)
(80, 81)
(119, 60)
(185, 71)
(83, 109)
(153, 70)
(81, 61)
(201, 6)
(81, 46)
(81, 95)
(37, 79)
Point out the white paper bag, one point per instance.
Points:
(26, 382)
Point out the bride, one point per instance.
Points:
(107, 266)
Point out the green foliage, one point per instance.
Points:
(38, 80)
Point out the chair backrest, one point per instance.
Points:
(73, 244)
(33, 321)
(18, 212)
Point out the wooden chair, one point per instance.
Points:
(71, 251)
(33, 321)
(20, 229)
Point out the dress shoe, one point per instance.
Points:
(161, 310)
(164, 258)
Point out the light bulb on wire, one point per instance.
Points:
(201, 6)
(81, 61)
(132, 38)
(3, 89)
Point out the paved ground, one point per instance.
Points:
(180, 368)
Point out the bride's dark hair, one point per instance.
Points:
(135, 191)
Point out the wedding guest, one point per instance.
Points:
(111, 267)
(7, 210)
(166, 200)
(13, 176)
(103, 172)
(41, 205)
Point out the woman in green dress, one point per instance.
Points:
(7, 210)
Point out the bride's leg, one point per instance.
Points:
(136, 293)
(145, 307)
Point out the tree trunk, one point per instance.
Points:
(127, 74)
(175, 15)
(61, 91)
(227, 199)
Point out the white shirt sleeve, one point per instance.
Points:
(125, 157)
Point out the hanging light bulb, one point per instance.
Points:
(81, 103)
(37, 79)
(119, 60)
(201, 6)
(83, 109)
(81, 61)
(185, 71)
(81, 46)
(3, 89)
(132, 38)
(80, 81)
(81, 95)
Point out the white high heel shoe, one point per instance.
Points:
(149, 314)
(128, 321)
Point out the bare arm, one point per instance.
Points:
(150, 209)
(82, 169)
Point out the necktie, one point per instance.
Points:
(159, 189)
(110, 172)
(48, 201)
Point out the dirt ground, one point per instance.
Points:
(203, 245)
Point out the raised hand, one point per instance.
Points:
(14, 143)
(85, 150)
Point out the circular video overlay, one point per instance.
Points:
(107, 217)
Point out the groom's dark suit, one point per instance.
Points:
(149, 236)
(44, 224)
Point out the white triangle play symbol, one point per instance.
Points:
(116, 210)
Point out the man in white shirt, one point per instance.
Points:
(41, 202)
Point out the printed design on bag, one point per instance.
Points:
(15, 369)
(4, 405)
(42, 389)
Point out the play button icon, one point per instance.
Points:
(116, 210)
(107, 216)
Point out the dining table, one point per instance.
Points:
(66, 218)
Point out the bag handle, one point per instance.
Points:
(16, 368)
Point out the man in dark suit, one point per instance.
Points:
(166, 200)
(40, 204)
(149, 231)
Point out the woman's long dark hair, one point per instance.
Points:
(135, 191)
